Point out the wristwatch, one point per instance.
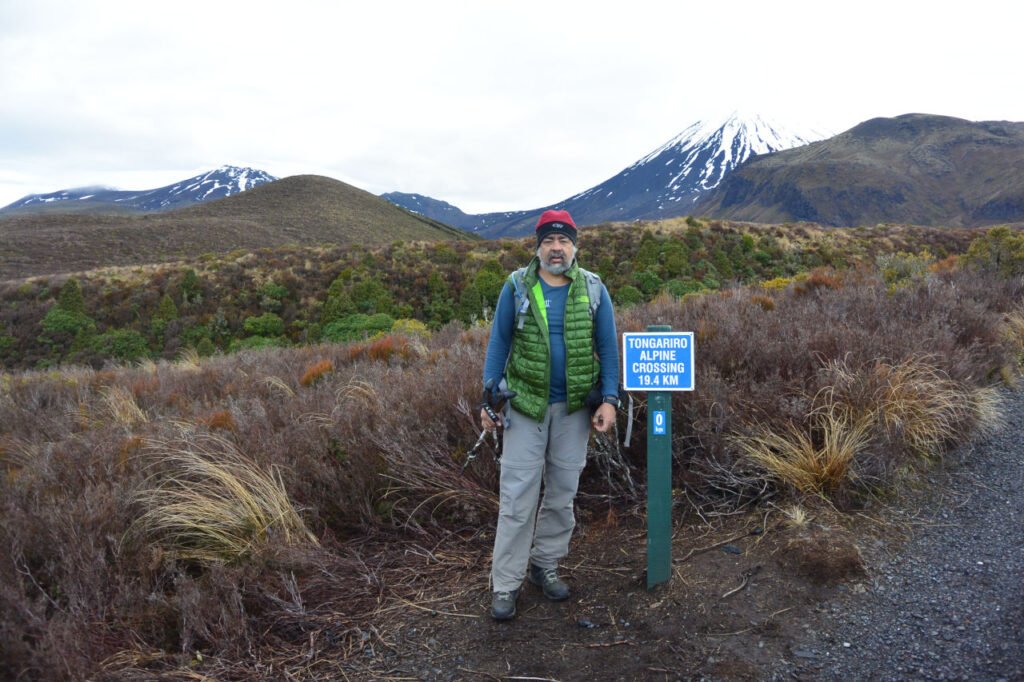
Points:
(611, 400)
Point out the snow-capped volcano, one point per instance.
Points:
(215, 184)
(700, 156)
(665, 183)
(669, 180)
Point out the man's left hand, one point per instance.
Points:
(604, 417)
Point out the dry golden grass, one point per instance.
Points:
(988, 406)
(796, 516)
(814, 460)
(914, 401)
(278, 383)
(1014, 334)
(209, 502)
(189, 360)
(923, 404)
(118, 406)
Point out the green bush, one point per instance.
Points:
(648, 281)
(167, 310)
(681, 287)
(267, 324)
(205, 347)
(628, 295)
(123, 344)
(257, 343)
(356, 327)
(489, 281)
(900, 269)
(275, 291)
(73, 323)
(70, 297)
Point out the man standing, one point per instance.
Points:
(553, 339)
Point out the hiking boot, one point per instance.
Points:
(547, 579)
(503, 605)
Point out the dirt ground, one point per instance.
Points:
(742, 591)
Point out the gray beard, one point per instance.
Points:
(559, 269)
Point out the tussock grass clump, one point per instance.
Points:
(1014, 334)
(920, 409)
(816, 459)
(870, 420)
(208, 502)
(120, 406)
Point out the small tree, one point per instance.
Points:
(489, 281)
(1001, 250)
(165, 313)
(68, 315)
(190, 288)
(70, 298)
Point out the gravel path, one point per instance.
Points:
(948, 604)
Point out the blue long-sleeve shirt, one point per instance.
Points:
(605, 337)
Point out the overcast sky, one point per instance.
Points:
(488, 108)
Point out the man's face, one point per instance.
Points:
(556, 253)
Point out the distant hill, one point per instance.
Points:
(664, 183)
(917, 168)
(216, 184)
(300, 210)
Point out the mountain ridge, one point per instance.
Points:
(214, 184)
(922, 169)
(301, 209)
(662, 184)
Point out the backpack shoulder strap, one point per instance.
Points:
(593, 281)
(522, 301)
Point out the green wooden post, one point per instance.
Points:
(659, 482)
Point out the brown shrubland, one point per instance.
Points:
(237, 506)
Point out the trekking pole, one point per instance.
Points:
(493, 400)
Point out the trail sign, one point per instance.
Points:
(659, 361)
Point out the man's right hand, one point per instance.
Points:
(486, 421)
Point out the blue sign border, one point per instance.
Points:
(663, 381)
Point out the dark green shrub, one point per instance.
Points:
(70, 298)
(489, 281)
(267, 324)
(628, 295)
(680, 287)
(356, 327)
(123, 344)
(205, 347)
(68, 322)
(258, 343)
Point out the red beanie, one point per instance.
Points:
(556, 221)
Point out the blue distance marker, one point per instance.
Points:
(659, 362)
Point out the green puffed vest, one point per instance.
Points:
(529, 365)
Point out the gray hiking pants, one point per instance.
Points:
(553, 452)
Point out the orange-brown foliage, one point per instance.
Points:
(944, 266)
(219, 419)
(384, 348)
(316, 372)
(820, 278)
(354, 352)
(145, 385)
